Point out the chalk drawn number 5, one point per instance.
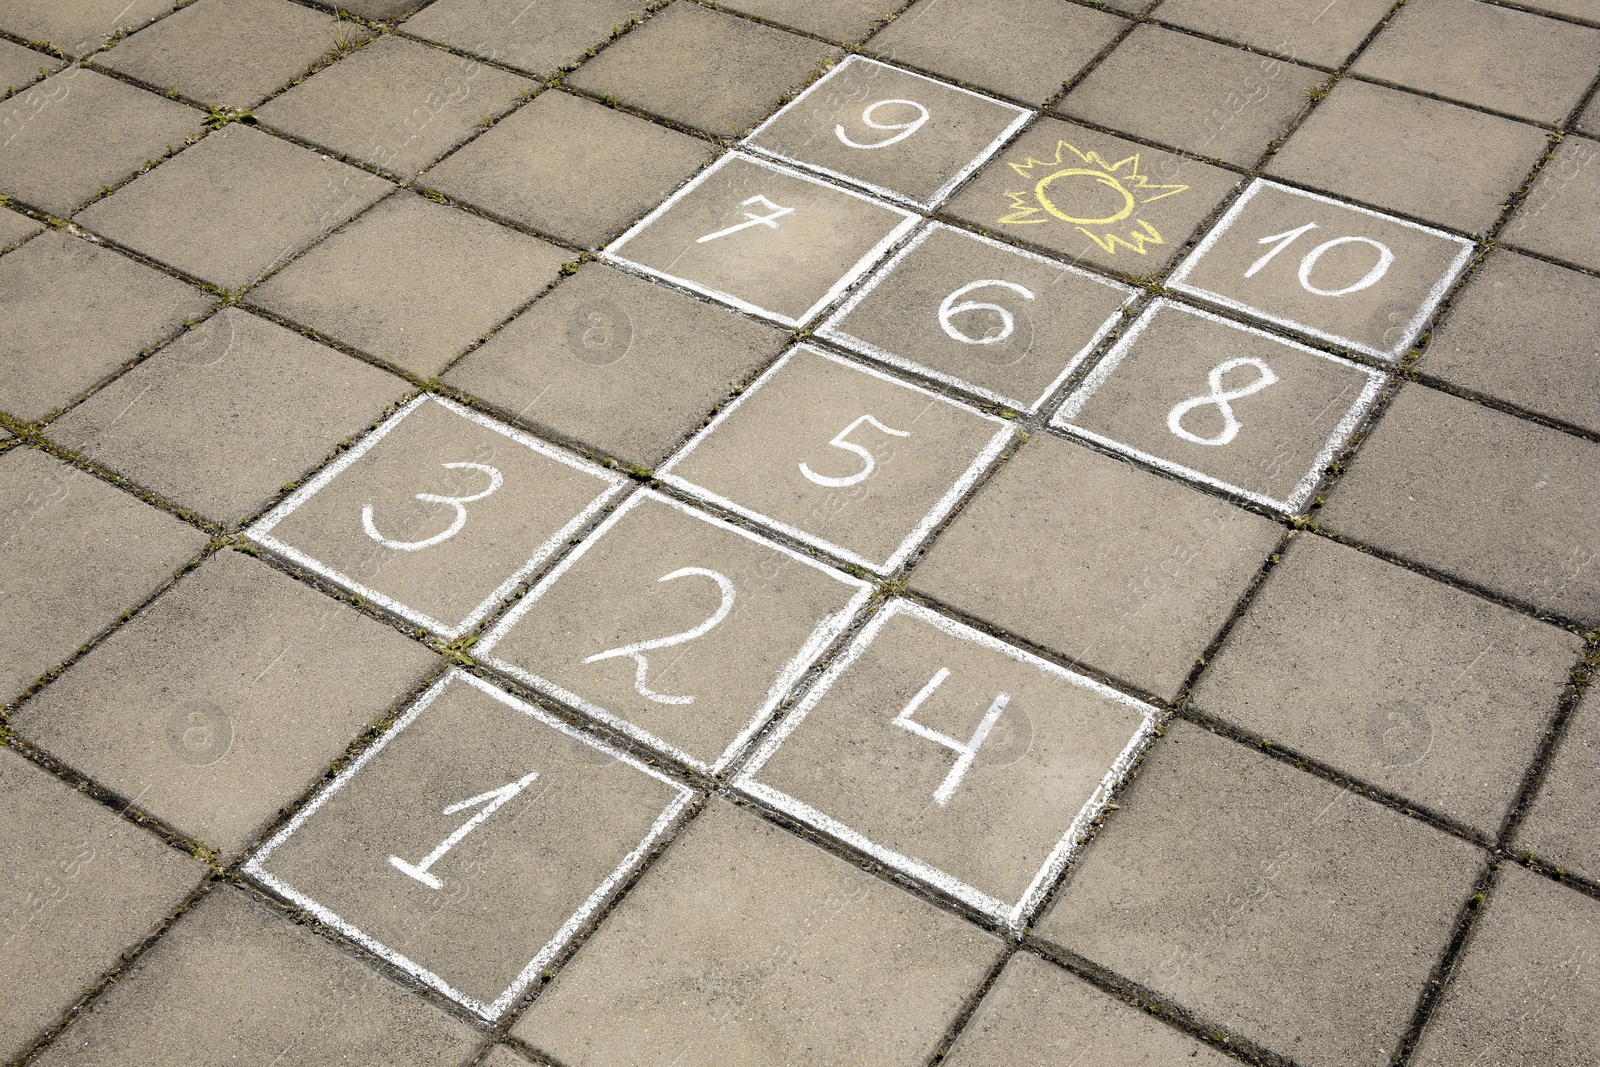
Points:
(496, 479)
(869, 462)
(637, 650)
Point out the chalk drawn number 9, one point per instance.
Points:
(906, 128)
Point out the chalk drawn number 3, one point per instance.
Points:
(496, 479)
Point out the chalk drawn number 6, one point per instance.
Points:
(949, 309)
(906, 128)
(496, 479)
(869, 462)
(637, 650)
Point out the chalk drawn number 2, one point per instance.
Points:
(637, 650)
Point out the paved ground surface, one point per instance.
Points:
(595, 532)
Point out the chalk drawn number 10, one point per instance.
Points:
(1309, 263)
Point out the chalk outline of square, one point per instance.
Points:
(1022, 118)
(259, 531)
(830, 329)
(1301, 496)
(864, 264)
(825, 632)
(980, 463)
(1413, 330)
(1017, 915)
(255, 867)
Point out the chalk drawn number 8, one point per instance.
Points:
(906, 128)
(949, 309)
(496, 479)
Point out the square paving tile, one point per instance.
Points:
(895, 750)
(223, 417)
(1036, 1006)
(449, 558)
(571, 168)
(1558, 825)
(383, 9)
(231, 53)
(57, 591)
(412, 282)
(1402, 681)
(1370, 286)
(1224, 404)
(1418, 486)
(20, 67)
(234, 206)
(889, 131)
(775, 455)
(845, 21)
(1525, 989)
(1093, 197)
(76, 312)
(479, 925)
(15, 228)
(1124, 570)
(396, 104)
(1425, 158)
(1561, 216)
(617, 363)
(1004, 324)
(1495, 57)
(766, 239)
(225, 699)
(81, 887)
(744, 620)
(701, 68)
(77, 132)
(747, 947)
(539, 36)
(1272, 904)
(1577, 9)
(1024, 49)
(1523, 331)
(1311, 31)
(1190, 93)
(80, 27)
(237, 978)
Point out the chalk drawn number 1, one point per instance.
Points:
(492, 801)
(496, 479)
(637, 650)
(869, 462)
(965, 753)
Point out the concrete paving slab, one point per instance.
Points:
(1023, 49)
(229, 54)
(78, 28)
(78, 132)
(1309, 31)
(235, 978)
(541, 36)
(1093, 197)
(384, 9)
(745, 946)
(503, 1056)
(1495, 57)
(1425, 158)
(20, 67)
(765, 238)
(1273, 904)
(622, 365)
(704, 69)
(57, 592)
(225, 700)
(382, 521)
(1007, 325)
(894, 750)
(481, 924)
(743, 620)
(1568, 802)
(843, 21)
(1036, 1006)
(82, 886)
(233, 207)
(1523, 331)
(888, 131)
(1583, 10)
(15, 228)
(1126, 571)
(774, 455)
(1589, 121)
(1525, 989)
(1561, 216)
(571, 168)
(76, 312)
(413, 282)
(1418, 486)
(1423, 690)
(396, 104)
(1186, 92)
(1350, 277)
(226, 415)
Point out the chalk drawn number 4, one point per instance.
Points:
(965, 753)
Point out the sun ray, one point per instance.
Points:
(1102, 198)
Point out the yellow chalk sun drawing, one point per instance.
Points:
(1100, 199)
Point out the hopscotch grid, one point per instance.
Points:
(260, 531)
(1295, 502)
(1014, 916)
(832, 329)
(255, 867)
(825, 633)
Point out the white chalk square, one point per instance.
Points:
(953, 757)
